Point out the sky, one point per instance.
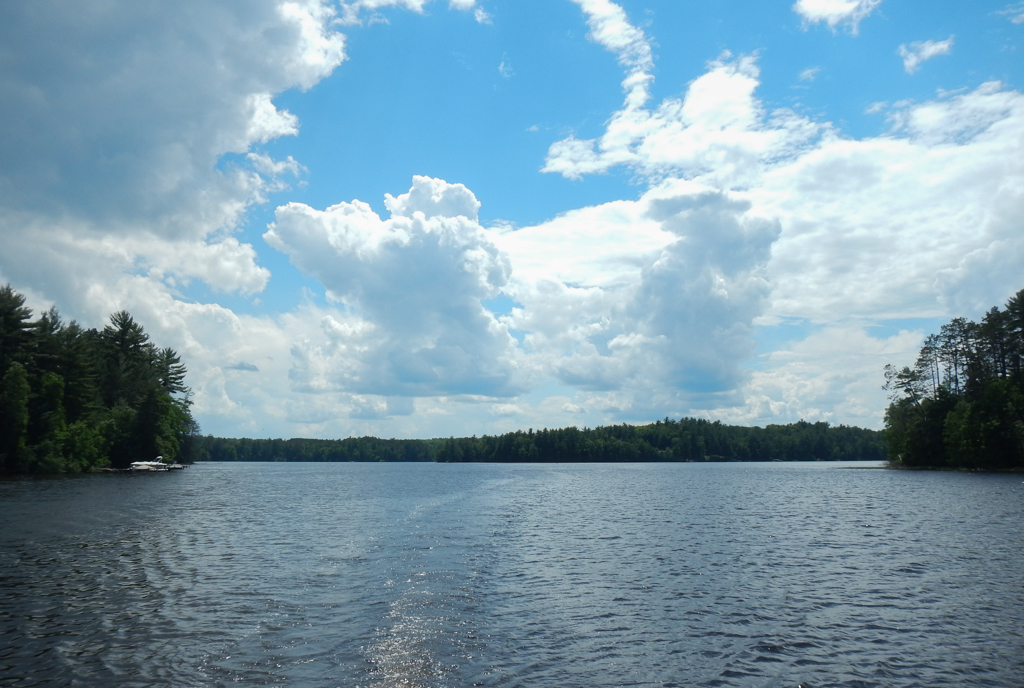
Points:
(426, 218)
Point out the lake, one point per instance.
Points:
(435, 575)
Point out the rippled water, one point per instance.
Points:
(524, 575)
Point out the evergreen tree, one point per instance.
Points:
(77, 400)
(15, 330)
(14, 391)
(962, 405)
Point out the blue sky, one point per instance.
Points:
(411, 218)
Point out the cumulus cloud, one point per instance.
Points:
(836, 12)
(136, 106)
(434, 198)
(654, 304)
(411, 287)
(871, 224)
(920, 51)
(637, 309)
(719, 128)
(118, 115)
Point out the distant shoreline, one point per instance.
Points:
(677, 441)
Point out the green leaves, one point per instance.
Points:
(75, 400)
(962, 406)
(14, 391)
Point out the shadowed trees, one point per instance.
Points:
(962, 404)
(688, 439)
(75, 400)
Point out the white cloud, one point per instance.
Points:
(810, 74)
(831, 375)
(643, 303)
(111, 150)
(921, 51)
(610, 28)
(867, 224)
(376, 407)
(266, 122)
(836, 12)
(920, 222)
(273, 171)
(434, 198)
(136, 107)
(353, 13)
(870, 225)
(115, 193)
(411, 289)
(114, 187)
(718, 130)
(1015, 12)
(506, 410)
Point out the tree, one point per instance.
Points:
(962, 405)
(76, 400)
(14, 391)
(14, 328)
(127, 361)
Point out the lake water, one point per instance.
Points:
(424, 575)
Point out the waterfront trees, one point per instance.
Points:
(962, 404)
(75, 400)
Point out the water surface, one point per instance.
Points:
(513, 575)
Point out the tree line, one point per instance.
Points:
(75, 399)
(962, 403)
(688, 439)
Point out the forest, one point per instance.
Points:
(962, 403)
(688, 439)
(75, 400)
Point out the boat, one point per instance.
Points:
(149, 466)
(157, 465)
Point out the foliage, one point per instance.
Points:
(962, 404)
(689, 439)
(74, 400)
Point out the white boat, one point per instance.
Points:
(157, 465)
(149, 466)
